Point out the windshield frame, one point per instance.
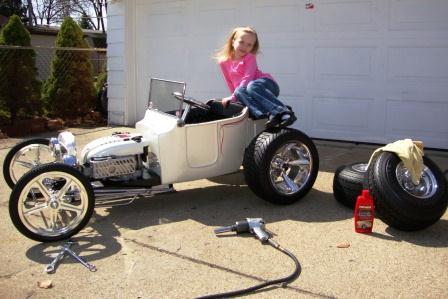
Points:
(179, 115)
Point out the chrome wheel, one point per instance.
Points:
(427, 186)
(290, 168)
(361, 167)
(28, 158)
(53, 204)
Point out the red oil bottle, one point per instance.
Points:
(364, 212)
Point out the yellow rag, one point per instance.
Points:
(409, 152)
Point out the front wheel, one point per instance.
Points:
(281, 166)
(52, 202)
(24, 156)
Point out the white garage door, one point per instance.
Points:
(370, 71)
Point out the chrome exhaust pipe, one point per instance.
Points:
(108, 197)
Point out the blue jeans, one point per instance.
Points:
(260, 96)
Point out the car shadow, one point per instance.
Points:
(220, 205)
(215, 206)
(96, 241)
(212, 206)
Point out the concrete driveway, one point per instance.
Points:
(164, 247)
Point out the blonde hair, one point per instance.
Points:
(227, 51)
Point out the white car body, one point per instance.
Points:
(199, 150)
(184, 153)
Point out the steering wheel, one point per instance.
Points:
(191, 101)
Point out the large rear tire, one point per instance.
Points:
(52, 202)
(281, 166)
(399, 202)
(23, 157)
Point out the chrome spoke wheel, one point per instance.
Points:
(53, 203)
(290, 168)
(28, 158)
(427, 186)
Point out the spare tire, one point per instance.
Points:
(399, 202)
(348, 182)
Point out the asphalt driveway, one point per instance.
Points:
(164, 247)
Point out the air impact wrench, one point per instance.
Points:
(250, 225)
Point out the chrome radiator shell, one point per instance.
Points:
(113, 166)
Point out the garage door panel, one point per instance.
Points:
(216, 17)
(418, 63)
(284, 61)
(213, 89)
(207, 5)
(275, 16)
(342, 114)
(418, 15)
(203, 74)
(171, 60)
(216, 21)
(345, 63)
(299, 105)
(420, 119)
(201, 64)
(343, 15)
(290, 85)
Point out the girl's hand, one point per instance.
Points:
(226, 101)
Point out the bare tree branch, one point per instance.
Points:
(48, 12)
(95, 7)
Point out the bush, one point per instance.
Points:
(99, 82)
(19, 88)
(69, 91)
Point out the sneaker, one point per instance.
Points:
(287, 119)
(273, 121)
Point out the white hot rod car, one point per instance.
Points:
(55, 188)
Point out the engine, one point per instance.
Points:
(122, 156)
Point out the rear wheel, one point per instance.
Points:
(25, 156)
(399, 202)
(281, 166)
(51, 203)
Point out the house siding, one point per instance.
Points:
(115, 63)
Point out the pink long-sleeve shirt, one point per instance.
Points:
(240, 72)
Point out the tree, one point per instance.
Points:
(47, 12)
(69, 91)
(85, 22)
(19, 88)
(98, 7)
(13, 7)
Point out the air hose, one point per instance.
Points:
(246, 226)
